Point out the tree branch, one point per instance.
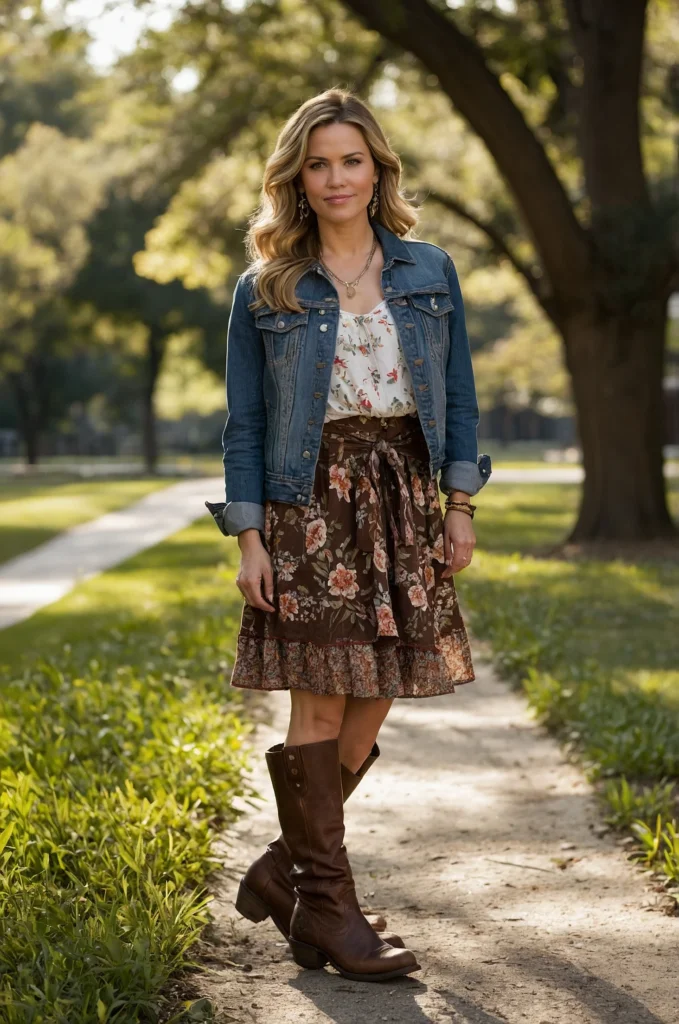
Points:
(369, 74)
(476, 92)
(498, 243)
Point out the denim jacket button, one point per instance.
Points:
(323, 327)
(281, 323)
(321, 312)
(299, 497)
(306, 455)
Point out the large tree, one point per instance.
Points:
(607, 256)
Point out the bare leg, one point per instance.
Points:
(314, 718)
(363, 718)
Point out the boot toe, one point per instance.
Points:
(394, 958)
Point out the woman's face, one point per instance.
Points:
(338, 172)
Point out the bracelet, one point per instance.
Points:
(460, 506)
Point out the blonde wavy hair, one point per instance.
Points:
(279, 244)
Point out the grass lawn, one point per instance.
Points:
(594, 644)
(121, 752)
(36, 509)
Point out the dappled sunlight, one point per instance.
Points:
(194, 568)
(32, 511)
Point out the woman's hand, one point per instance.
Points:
(459, 540)
(255, 569)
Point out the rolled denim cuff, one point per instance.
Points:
(469, 477)
(232, 517)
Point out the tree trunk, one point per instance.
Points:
(154, 357)
(617, 368)
(29, 421)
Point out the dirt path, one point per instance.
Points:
(465, 783)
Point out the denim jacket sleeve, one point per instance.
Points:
(463, 469)
(245, 429)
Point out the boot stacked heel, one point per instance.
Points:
(307, 956)
(250, 906)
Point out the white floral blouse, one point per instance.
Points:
(370, 376)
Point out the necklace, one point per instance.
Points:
(351, 285)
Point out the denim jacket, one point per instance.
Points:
(279, 366)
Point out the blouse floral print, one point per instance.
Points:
(370, 375)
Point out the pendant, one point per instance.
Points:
(351, 291)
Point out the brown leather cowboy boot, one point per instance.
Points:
(327, 924)
(266, 888)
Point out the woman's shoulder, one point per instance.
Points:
(430, 255)
(248, 278)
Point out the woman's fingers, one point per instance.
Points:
(462, 556)
(458, 543)
(255, 580)
(251, 590)
(268, 582)
(447, 549)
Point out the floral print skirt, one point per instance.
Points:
(361, 606)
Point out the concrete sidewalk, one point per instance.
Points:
(44, 575)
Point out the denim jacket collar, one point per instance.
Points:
(393, 248)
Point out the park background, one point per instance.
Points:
(542, 147)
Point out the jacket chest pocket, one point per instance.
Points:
(281, 333)
(434, 308)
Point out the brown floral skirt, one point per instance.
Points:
(361, 606)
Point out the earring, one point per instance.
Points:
(375, 201)
(303, 206)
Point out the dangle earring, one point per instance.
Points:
(303, 204)
(373, 206)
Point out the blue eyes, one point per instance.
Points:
(318, 163)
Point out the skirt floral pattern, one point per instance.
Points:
(361, 606)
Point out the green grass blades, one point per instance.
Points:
(121, 753)
(629, 803)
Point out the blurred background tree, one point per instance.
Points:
(538, 138)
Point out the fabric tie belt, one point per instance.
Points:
(382, 491)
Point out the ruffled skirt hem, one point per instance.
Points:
(382, 668)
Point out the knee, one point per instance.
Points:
(355, 751)
(312, 721)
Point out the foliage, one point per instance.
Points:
(46, 78)
(43, 215)
(121, 754)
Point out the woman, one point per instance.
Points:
(349, 385)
